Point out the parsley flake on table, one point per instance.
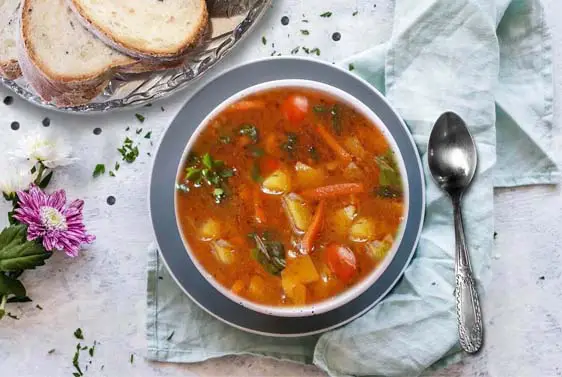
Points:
(51, 351)
(171, 336)
(132, 358)
(263, 40)
(148, 135)
(128, 151)
(76, 362)
(351, 67)
(78, 333)
(305, 32)
(316, 51)
(326, 14)
(140, 117)
(355, 13)
(138, 131)
(98, 170)
(295, 50)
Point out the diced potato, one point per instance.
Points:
(237, 287)
(307, 176)
(341, 220)
(299, 294)
(354, 146)
(301, 270)
(223, 251)
(378, 249)
(362, 230)
(277, 183)
(298, 212)
(256, 289)
(353, 172)
(210, 230)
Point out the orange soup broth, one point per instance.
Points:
(236, 213)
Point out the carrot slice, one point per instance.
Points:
(247, 105)
(258, 207)
(334, 190)
(314, 229)
(333, 144)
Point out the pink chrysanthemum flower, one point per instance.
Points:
(48, 217)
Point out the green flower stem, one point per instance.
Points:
(40, 172)
(2, 304)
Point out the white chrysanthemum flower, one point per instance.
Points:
(15, 178)
(36, 147)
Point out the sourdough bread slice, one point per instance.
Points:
(65, 63)
(9, 11)
(149, 29)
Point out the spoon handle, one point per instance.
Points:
(468, 305)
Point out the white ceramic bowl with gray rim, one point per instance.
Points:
(357, 289)
(172, 145)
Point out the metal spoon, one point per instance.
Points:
(452, 161)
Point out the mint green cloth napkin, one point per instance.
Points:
(488, 61)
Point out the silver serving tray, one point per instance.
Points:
(230, 21)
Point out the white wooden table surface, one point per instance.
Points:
(103, 291)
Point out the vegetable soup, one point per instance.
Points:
(289, 197)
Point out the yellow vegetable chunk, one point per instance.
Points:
(256, 289)
(277, 183)
(298, 212)
(354, 146)
(299, 295)
(352, 172)
(341, 220)
(223, 251)
(307, 176)
(362, 230)
(237, 287)
(210, 230)
(378, 249)
(301, 270)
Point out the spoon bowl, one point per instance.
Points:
(452, 154)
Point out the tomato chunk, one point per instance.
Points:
(295, 108)
(341, 261)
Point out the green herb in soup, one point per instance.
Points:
(290, 197)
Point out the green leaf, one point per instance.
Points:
(98, 170)
(207, 161)
(17, 253)
(263, 40)
(389, 177)
(249, 130)
(148, 135)
(140, 117)
(78, 334)
(270, 254)
(45, 181)
(11, 286)
(326, 14)
(351, 66)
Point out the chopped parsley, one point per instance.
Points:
(132, 358)
(313, 153)
(326, 14)
(263, 40)
(355, 13)
(295, 50)
(351, 67)
(140, 117)
(111, 173)
(257, 151)
(98, 170)
(51, 351)
(128, 151)
(78, 334)
(306, 49)
(249, 130)
(316, 51)
(305, 32)
(117, 166)
(75, 362)
(225, 139)
(148, 135)
(206, 170)
(290, 145)
(138, 131)
(39, 307)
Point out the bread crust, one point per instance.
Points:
(137, 51)
(65, 90)
(10, 69)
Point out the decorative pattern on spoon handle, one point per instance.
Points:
(468, 312)
(468, 304)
